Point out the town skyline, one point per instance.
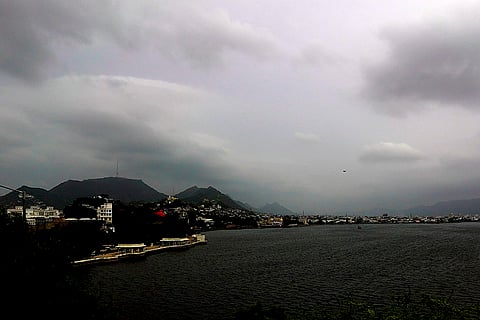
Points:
(127, 190)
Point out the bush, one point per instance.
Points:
(407, 307)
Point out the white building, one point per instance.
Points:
(104, 212)
(35, 214)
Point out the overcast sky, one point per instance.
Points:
(322, 106)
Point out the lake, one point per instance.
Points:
(299, 268)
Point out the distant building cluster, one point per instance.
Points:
(270, 221)
(211, 214)
(37, 215)
(450, 218)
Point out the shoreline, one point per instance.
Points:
(126, 256)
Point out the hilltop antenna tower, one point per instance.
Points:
(116, 172)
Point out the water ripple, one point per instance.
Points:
(301, 269)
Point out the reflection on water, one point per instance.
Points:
(301, 269)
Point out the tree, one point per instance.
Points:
(37, 277)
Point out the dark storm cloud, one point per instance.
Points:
(38, 37)
(15, 131)
(258, 100)
(140, 148)
(109, 134)
(144, 125)
(453, 178)
(30, 30)
(434, 64)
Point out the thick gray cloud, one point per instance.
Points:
(38, 38)
(434, 64)
(148, 126)
(259, 99)
(307, 137)
(31, 31)
(389, 152)
(315, 54)
(204, 37)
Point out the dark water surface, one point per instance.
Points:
(300, 269)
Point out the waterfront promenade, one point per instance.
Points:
(132, 251)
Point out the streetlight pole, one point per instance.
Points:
(23, 194)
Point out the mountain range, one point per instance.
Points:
(134, 190)
(468, 206)
(122, 189)
(275, 208)
(197, 196)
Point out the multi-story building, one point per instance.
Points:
(105, 211)
(36, 214)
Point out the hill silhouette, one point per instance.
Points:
(122, 189)
(135, 190)
(468, 206)
(35, 196)
(196, 195)
(275, 208)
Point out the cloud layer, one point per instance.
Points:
(431, 64)
(389, 152)
(259, 99)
